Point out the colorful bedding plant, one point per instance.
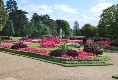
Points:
(10, 41)
(71, 54)
(81, 54)
(50, 42)
(27, 43)
(50, 38)
(105, 43)
(77, 41)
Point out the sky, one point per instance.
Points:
(82, 11)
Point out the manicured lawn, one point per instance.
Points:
(16, 38)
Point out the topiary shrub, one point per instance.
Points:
(56, 53)
(72, 53)
(19, 45)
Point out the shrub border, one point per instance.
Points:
(53, 60)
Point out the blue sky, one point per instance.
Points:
(83, 11)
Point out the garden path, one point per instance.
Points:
(22, 68)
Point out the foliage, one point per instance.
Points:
(11, 5)
(52, 25)
(20, 22)
(64, 25)
(76, 29)
(8, 30)
(19, 45)
(72, 53)
(48, 44)
(108, 22)
(37, 27)
(51, 38)
(88, 30)
(3, 15)
(56, 60)
(115, 76)
(114, 44)
(63, 47)
(56, 53)
(92, 47)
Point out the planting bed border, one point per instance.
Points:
(56, 60)
(116, 76)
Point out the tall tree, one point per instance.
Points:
(11, 5)
(64, 25)
(76, 29)
(37, 26)
(8, 30)
(3, 15)
(50, 23)
(20, 22)
(88, 30)
(108, 23)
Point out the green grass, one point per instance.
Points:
(116, 76)
(16, 38)
(34, 45)
(104, 57)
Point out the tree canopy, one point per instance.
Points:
(108, 23)
(3, 15)
(76, 29)
(8, 30)
(64, 25)
(88, 30)
(11, 5)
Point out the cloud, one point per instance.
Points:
(65, 9)
(99, 7)
(45, 9)
(23, 1)
(83, 16)
(40, 9)
(66, 12)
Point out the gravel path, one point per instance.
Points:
(22, 68)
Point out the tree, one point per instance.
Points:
(20, 22)
(88, 30)
(11, 5)
(3, 15)
(50, 23)
(76, 29)
(37, 27)
(64, 25)
(108, 23)
(8, 30)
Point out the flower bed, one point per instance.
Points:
(63, 55)
(48, 44)
(58, 60)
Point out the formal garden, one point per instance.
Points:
(53, 41)
(63, 52)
